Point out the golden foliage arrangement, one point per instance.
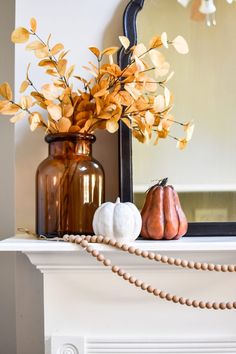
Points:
(113, 94)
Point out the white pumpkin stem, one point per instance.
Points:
(118, 200)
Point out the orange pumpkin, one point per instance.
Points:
(162, 215)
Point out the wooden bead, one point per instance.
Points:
(156, 292)
(100, 239)
(132, 280)
(72, 238)
(209, 305)
(184, 263)
(126, 276)
(229, 305)
(131, 249)
(89, 249)
(195, 303)
(224, 268)
(175, 299)
(84, 243)
(182, 300)
(188, 302)
(150, 289)
(215, 306)
(115, 268)
(222, 306)
(158, 257)
(88, 238)
(234, 304)
(78, 240)
(164, 259)
(118, 244)
(168, 297)
(125, 247)
(151, 255)
(144, 254)
(177, 261)
(107, 262)
(144, 286)
(100, 257)
(121, 272)
(204, 266)
(217, 267)
(171, 261)
(202, 305)
(197, 265)
(106, 240)
(112, 242)
(162, 294)
(211, 267)
(230, 268)
(66, 237)
(138, 252)
(93, 239)
(191, 264)
(138, 282)
(95, 253)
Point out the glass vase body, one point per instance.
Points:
(69, 186)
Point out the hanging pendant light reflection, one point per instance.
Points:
(208, 8)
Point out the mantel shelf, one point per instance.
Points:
(24, 243)
(51, 256)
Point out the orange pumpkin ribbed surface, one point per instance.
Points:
(162, 215)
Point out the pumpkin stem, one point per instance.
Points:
(117, 200)
(162, 182)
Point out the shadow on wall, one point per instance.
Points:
(31, 144)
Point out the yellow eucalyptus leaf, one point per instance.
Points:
(159, 103)
(26, 102)
(139, 50)
(124, 41)
(17, 117)
(64, 125)
(68, 110)
(42, 53)
(47, 62)
(63, 54)
(181, 144)
(70, 71)
(155, 42)
(95, 51)
(167, 96)
(24, 86)
(149, 118)
(110, 51)
(189, 128)
(56, 49)
(50, 92)
(162, 70)
(33, 24)
(35, 120)
(35, 45)
(100, 93)
(164, 39)
(55, 111)
(20, 35)
(61, 66)
(157, 58)
(9, 109)
(112, 125)
(5, 91)
(180, 45)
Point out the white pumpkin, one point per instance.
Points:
(120, 221)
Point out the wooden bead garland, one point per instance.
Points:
(83, 241)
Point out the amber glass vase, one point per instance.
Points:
(69, 186)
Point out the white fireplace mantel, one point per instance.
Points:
(88, 309)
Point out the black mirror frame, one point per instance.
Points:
(125, 140)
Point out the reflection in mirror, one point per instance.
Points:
(203, 86)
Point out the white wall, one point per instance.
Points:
(77, 24)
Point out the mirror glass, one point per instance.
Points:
(204, 89)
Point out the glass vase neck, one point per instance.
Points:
(70, 144)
